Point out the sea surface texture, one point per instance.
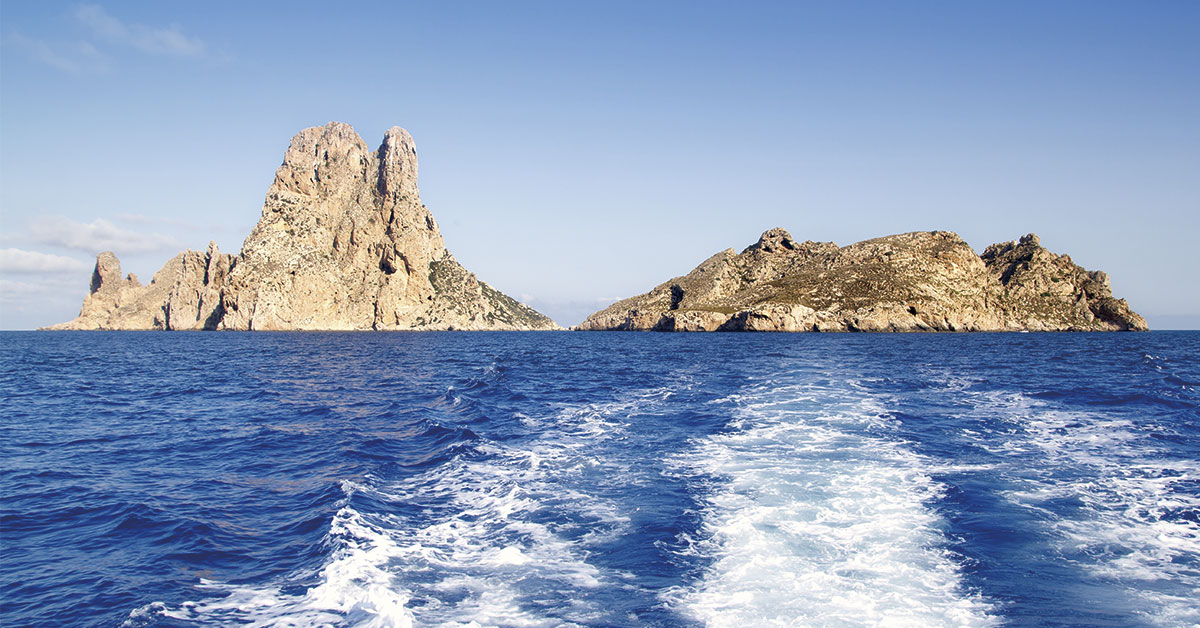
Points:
(595, 479)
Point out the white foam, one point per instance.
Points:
(819, 516)
(1125, 484)
(1128, 487)
(355, 589)
(487, 550)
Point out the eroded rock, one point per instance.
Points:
(920, 281)
(344, 243)
(185, 294)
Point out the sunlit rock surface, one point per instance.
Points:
(343, 243)
(920, 281)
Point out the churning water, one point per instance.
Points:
(587, 479)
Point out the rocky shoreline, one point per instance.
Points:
(920, 281)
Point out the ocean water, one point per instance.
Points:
(593, 479)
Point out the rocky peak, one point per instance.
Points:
(107, 273)
(322, 161)
(1024, 249)
(397, 157)
(773, 241)
(216, 264)
(345, 243)
(1011, 260)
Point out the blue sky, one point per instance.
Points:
(578, 152)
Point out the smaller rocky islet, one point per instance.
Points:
(344, 243)
(919, 281)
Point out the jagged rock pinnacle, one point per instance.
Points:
(343, 242)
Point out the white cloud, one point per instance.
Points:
(98, 235)
(48, 298)
(69, 57)
(11, 290)
(149, 39)
(142, 219)
(137, 219)
(19, 261)
(83, 56)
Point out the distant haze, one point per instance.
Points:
(578, 153)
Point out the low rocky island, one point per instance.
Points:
(344, 243)
(920, 281)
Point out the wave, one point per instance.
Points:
(355, 589)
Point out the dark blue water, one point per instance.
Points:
(550, 479)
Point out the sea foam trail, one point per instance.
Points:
(500, 535)
(815, 514)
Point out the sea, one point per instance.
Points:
(599, 479)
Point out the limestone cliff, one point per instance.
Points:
(921, 281)
(343, 243)
(184, 294)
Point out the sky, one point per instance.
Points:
(579, 152)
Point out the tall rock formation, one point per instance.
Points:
(184, 294)
(921, 281)
(343, 243)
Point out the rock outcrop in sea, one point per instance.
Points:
(344, 243)
(920, 281)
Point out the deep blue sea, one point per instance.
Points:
(596, 479)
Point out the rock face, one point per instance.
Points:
(184, 294)
(921, 281)
(344, 243)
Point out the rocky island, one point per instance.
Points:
(344, 243)
(920, 281)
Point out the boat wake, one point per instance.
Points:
(501, 534)
(816, 514)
